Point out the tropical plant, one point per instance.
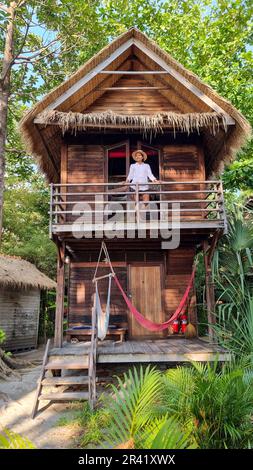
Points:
(138, 415)
(202, 405)
(234, 326)
(12, 440)
(233, 259)
(232, 271)
(134, 402)
(166, 433)
(214, 405)
(2, 336)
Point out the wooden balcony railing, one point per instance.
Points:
(196, 204)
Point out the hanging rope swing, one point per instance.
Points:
(103, 317)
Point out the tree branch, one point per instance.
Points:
(37, 53)
(25, 36)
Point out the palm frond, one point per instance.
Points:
(133, 403)
(167, 434)
(12, 440)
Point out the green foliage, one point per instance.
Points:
(200, 406)
(137, 413)
(2, 336)
(215, 406)
(47, 314)
(133, 403)
(232, 270)
(94, 423)
(26, 234)
(205, 406)
(234, 327)
(12, 440)
(166, 433)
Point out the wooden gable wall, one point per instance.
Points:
(125, 101)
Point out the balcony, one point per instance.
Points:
(90, 210)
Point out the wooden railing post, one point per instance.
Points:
(51, 210)
(137, 205)
(59, 311)
(221, 205)
(210, 294)
(93, 356)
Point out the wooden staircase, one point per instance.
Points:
(57, 385)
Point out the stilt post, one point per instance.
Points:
(59, 311)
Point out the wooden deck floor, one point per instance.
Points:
(156, 351)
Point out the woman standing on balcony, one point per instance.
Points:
(140, 173)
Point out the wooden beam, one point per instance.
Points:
(192, 88)
(133, 88)
(58, 335)
(64, 169)
(213, 245)
(210, 295)
(133, 72)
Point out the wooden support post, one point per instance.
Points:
(41, 377)
(210, 296)
(192, 309)
(59, 311)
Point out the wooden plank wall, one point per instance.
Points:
(85, 164)
(178, 271)
(184, 163)
(82, 290)
(19, 317)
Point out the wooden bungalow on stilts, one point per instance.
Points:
(131, 95)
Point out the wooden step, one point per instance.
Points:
(67, 380)
(64, 396)
(66, 365)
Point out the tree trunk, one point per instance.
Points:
(4, 98)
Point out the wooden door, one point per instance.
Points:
(146, 292)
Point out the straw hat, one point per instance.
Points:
(139, 151)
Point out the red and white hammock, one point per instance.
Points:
(148, 324)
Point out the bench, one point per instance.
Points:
(75, 332)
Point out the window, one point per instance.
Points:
(117, 162)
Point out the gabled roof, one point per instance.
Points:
(192, 104)
(18, 273)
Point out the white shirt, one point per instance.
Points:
(139, 173)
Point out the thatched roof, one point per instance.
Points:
(72, 106)
(15, 272)
(187, 122)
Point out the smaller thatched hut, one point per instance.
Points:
(20, 287)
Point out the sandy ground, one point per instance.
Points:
(16, 401)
